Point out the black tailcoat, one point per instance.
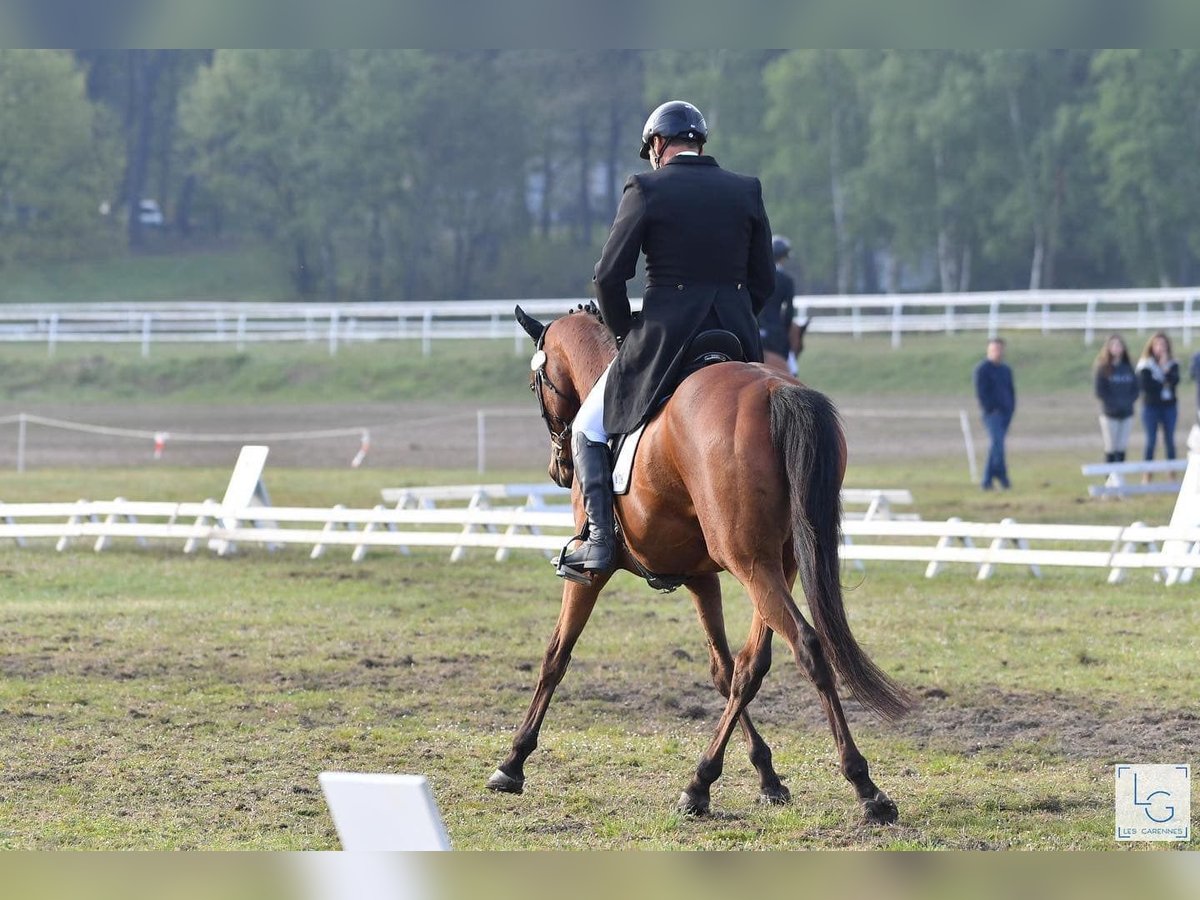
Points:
(708, 264)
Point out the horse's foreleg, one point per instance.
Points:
(749, 668)
(577, 603)
(706, 593)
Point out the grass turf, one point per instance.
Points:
(150, 700)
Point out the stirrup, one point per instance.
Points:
(567, 572)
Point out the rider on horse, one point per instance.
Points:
(709, 264)
(775, 324)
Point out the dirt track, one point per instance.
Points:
(438, 436)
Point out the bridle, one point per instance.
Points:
(559, 428)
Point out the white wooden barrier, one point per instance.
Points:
(1113, 547)
(240, 324)
(1117, 477)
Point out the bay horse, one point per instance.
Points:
(740, 471)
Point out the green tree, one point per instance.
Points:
(817, 133)
(267, 128)
(1146, 134)
(56, 158)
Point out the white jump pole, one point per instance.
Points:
(480, 440)
(972, 464)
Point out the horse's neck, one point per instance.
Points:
(589, 360)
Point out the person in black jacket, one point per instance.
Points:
(707, 242)
(1158, 373)
(776, 321)
(997, 397)
(1117, 390)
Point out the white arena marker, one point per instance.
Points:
(383, 812)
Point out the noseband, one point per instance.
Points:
(559, 429)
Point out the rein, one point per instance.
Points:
(559, 436)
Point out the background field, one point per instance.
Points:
(148, 700)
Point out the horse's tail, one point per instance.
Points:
(807, 434)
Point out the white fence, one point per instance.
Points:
(1171, 551)
(240, 324)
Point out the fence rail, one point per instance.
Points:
(1090, 312)
(1172, 551)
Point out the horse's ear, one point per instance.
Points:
(532, 326)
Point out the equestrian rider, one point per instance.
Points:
(707, 242)
(775, 323)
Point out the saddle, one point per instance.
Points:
(707, 348)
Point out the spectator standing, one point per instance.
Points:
(1117, 390)
(1158, 375)
(997, 397)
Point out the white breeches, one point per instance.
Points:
(589, 420)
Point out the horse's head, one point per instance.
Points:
(569, 355)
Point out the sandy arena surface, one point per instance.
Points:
(439, 436)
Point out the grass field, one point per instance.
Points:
(489, 371)
(149, 700)
(244, 272)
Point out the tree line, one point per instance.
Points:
(454, 174)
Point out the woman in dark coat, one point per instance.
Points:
(1117, 390)
(1158, 374)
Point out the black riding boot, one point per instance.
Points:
(595, 552)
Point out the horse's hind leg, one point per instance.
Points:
(784, 617)
(749, 667)
(706, 593)
(577, 603)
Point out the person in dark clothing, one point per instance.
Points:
(998, 401)
(1117, 389)
(776, 321)
(1158, 374)
(707, 242)
(1194, 373)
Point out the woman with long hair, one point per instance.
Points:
(1158, 375)
(1116, 386)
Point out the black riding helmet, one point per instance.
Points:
(780, 246)
(674, 119)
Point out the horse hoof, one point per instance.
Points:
(779, 796)
(691, 805)
(880, 810)
(506, 784)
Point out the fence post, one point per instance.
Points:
(427, 333)
(1141, 317)
(333, 332)
(994, 318)
(518, 343)
(146, 335)
(1187, 320)
(21, 442)
(480, 440)
(52, 334)
(1045, 318)
(897, 323)
(241, 332)
(964, 422)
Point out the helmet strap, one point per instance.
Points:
(655, 157)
